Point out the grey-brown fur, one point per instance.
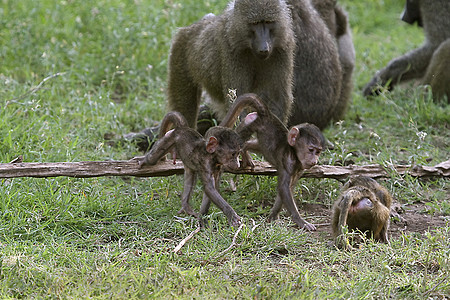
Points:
(217, 54)
(317, 70)
(421, 63)
(289, 151)
(336, 19)
(438, 72)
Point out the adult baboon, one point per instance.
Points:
(317, 69)
(248, 48)
(336, 20)
(225, 52)
(426, 62)
(438, 72)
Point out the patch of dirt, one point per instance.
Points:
(415, 219)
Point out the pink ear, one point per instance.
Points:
(212, 144)
(293, 135)
(251, 117)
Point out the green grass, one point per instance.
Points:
(113, 237)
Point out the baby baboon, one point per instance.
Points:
(289, 151)
(206, 158)
(248, 48)
(430, 59)
(317, 69)
(365, 206)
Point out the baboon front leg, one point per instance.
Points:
(409, 66)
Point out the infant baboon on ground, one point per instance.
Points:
(200, 157)
(248, 48)
(289, 151)
(430, 62)
(364, 206)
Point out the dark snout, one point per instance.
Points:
(262, 41)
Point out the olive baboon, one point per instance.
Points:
(290, 151)
(336, 20)
(438, 72)
(229, 51)
(248, 48)
(204, 157)
(428, 61)
(317, 69)
(365, 206)
(323, 62)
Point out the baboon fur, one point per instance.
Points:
(215, 54)
(336, 19)
(318, 72)
(365, 206)
(428, 63)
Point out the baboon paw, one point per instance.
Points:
(236, 222)
(309, 226)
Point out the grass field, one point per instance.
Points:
(103, 69)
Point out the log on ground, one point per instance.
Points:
(167, 168)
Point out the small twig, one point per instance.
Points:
(186, 239)
(17, 160)
(254, 225)
(434, 288)
(233, 242)
(120, 222)
(38, 87)
(323, 224)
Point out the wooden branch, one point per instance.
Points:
(167, 168)
(186, 239)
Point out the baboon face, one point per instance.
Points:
(262, 41)
(308, 153)
(229, 158)
(308, 142)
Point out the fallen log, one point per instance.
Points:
(167, 168)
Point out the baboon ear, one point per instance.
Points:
(169, 132)
(293, 134)
(250, 118)
(212, 144)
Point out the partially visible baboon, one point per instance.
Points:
(365, 206)
(438, 72)
(317, 69)
(248, 48)
(204, 157)
(289, 151)
(427, 62)
(336, 20)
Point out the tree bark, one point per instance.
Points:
(167, 168)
